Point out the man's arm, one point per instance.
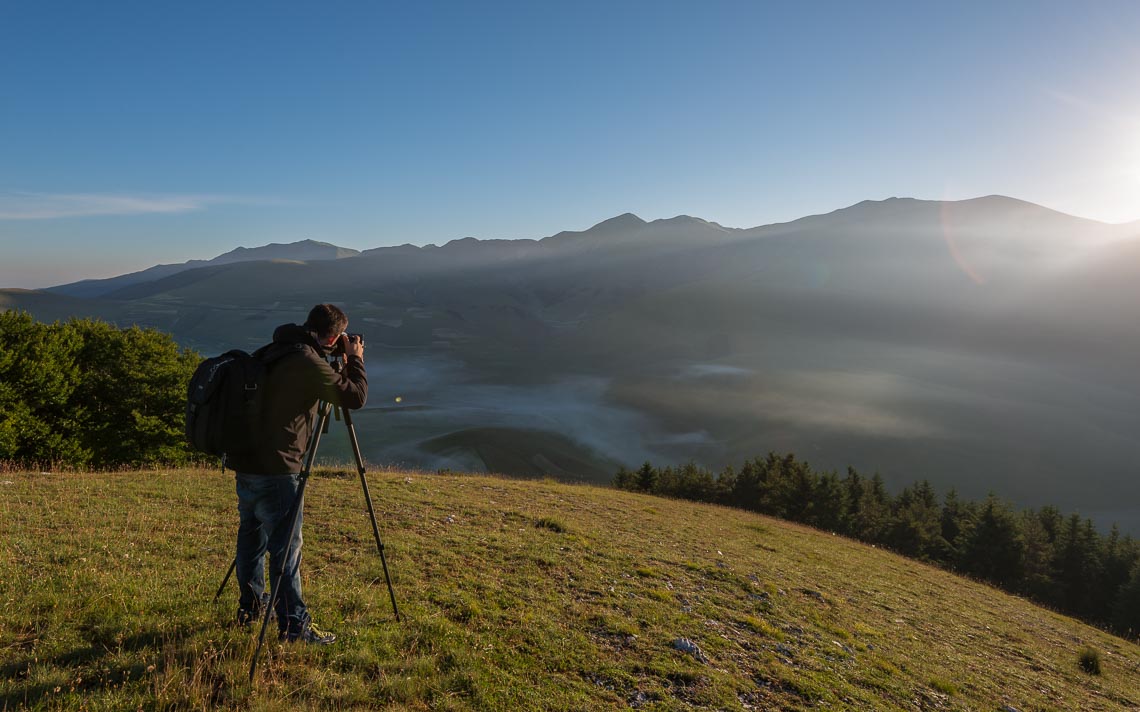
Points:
(349, 388)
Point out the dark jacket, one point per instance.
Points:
(294, 383)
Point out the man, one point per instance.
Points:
(268, 478)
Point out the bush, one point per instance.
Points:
(1090, 660)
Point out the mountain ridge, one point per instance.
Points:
(301, 250)
(627, 229)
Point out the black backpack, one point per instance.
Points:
(224, 400)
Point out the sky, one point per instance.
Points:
(139, 133)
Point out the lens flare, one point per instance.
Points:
(952, 244)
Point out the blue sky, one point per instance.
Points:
(139, 133)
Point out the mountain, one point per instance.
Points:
(304, 250)
(984, 345)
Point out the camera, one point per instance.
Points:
(345, 337)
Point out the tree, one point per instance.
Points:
(1126, 612)
(745, 491)
(995, 550)
(1077, 565)
(647, 477)
(1038, 577)
(870, 507)
(916, 523)
(1117, 556)
(829, 503)
(792, 485)
(957, 520)
(726, 485)
(38, 423)
(625, 479)
(695, 483)
(85, 393)
(134, 392)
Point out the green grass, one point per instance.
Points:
(517, 596)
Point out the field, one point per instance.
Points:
(517, 595)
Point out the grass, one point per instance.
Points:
(517, 596)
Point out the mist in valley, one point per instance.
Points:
(983, 345)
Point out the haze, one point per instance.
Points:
(979, 344)
(136, 134)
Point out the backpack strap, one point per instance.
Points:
(274, 351)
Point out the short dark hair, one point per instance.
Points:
(327, 320)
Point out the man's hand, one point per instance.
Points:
(353, 346)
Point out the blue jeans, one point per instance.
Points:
(265, 507)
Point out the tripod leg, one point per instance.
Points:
(371, 509)
(233, 565)
(298, 503)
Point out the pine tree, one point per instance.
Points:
(915, 528)
(745, 489)
(647, 477)
(1077, 565)
(725, 485)
(871, 516)
(1038, 578)
(625, 479)
(1117, 557)
(829, 503)
(995, 550)
(1126, 612)
(957, 523)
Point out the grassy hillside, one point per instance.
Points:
(517, 596)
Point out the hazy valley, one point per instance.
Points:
(985, 344)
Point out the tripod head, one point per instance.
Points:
(336, 361)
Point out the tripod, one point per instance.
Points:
(324, 409)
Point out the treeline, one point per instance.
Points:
(1060, 561)
(86, 394)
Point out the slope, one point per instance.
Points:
(517, 595)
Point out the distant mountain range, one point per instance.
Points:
(984, 344)
(303, 251)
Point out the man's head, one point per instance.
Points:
(328, 321)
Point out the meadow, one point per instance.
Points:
(516, 595)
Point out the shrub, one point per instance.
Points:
(1090, 660)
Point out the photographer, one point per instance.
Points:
(268, 479)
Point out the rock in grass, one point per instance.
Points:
(687, 646)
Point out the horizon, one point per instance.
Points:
(594, 224)
(140, 135)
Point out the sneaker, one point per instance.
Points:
(311, 634)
